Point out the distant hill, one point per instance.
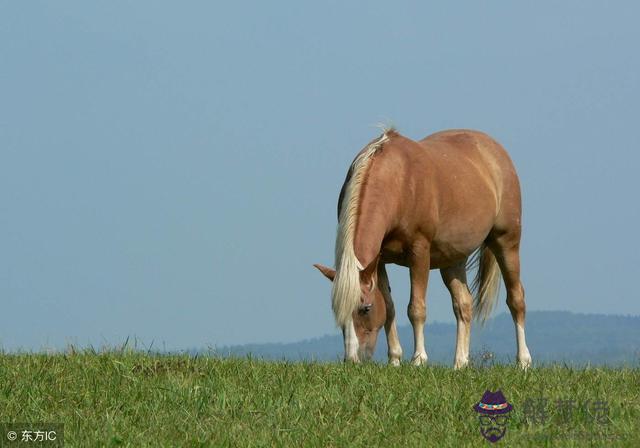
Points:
(552, 336)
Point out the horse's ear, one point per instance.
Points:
(327, 272)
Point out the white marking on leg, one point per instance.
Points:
(467, 343)
(393, 344)
(462, 345)
(420, 354)
(523, 357)
(350, 342)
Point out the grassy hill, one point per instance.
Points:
(128, 398)
(133, 399)
(552, 336)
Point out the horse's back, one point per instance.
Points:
(465, 157)
(470, 146)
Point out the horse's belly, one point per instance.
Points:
(449, 254)
(442, 254)
(457, 238)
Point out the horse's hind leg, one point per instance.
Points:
(506, 248)
(393, 341)
(455, 279)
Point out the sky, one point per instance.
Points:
(169, 171)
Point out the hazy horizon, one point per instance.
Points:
(557, 337)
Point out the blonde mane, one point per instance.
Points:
(345, 294)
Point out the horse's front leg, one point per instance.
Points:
(351, 343)
(393, 341)
(417, 310)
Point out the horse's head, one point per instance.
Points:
(369, 317)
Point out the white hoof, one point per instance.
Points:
(460, 364)
(419, 359)
(524, 361)
(395, 362)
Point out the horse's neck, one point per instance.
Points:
(374, 220)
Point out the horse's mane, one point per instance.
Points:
(345, 294)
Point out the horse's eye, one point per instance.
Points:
(364, 309)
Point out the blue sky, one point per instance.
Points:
(170, 171)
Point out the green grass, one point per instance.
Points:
(134, 399)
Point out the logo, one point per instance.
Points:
(493, 413)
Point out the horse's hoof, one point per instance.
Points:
(419, 359)
(395, 362)
(524, 362)
(460, 364)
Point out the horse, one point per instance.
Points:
(450, 201)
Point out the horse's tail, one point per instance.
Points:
(485, 284)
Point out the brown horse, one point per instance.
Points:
(426, 205)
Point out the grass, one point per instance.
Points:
(137, 399)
